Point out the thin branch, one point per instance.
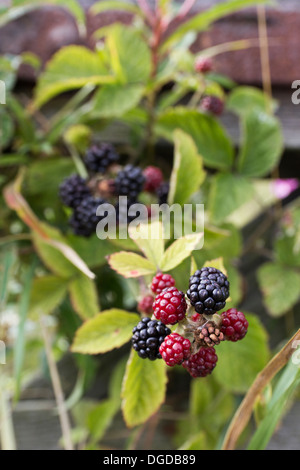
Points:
(143, 4)
(185, 9)
(244, 412)
(57, 388)
(264, 54)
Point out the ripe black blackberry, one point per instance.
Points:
(84, 219)
(73, 190)
(129, 182)
(100, 157)
(208, 290)
(163, 193)
(147, 337)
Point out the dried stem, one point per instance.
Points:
(264, 55)
(57, 388)
(243, 414)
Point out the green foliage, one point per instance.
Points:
(143, 389)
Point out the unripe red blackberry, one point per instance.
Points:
(147, 337)
(208, 290)
(161, 281)
(203, 64)
(154, 178)
(170, 306)
(73, 190)
(100, 157)
(145, 305)
(212, 104)
(175, 349)
(202, 363)
(234, 325)
(129, 182)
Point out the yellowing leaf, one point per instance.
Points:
(180, 250)
(104, 332)
(144, 389)
(131, 264)
(149, 238)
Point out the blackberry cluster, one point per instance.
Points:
(73, 190)
(193, 344)
(147, 337)
(208, 290)
(99, 158)
(107, 181)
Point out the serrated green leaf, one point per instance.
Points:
(243, 99)
(100, 418)
(70, 68)
(210, 138)
(286, 251)
(180, 250)
(228, 192)
(239, 363)
(129, 54)
(280, 287)
(104, 332)
(150, 240)
(144, 389)
(183, 182)
(131, 264)
(116, 100)
(46, 294)
(84, 297)
(262, 144)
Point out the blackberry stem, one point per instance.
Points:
(78, 163)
